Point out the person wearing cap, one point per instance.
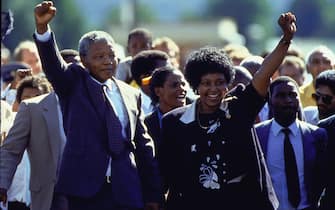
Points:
(11, 75)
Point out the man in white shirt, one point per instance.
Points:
(102, 167)
(308, 142)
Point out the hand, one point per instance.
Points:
(287, 22)
(44, 13)
(3, 196)
(151, 206)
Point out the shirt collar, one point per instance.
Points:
(189, 114)
(146, 100)
(276, 128)
(109, 83)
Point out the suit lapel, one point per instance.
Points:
(96, 96)
(263, 134)
(128, 101)
(308, 145)
(50, 113)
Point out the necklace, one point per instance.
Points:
(215, 122)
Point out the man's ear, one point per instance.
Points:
(83, 61)
(157, 91)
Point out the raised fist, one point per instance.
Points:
(287, 22)
(44, 12)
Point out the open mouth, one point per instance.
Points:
(181, 97)
(213, 96)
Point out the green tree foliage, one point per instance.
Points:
(315, 18)
(244, 12)
(143, 13)
(68, 23)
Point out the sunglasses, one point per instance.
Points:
(326, 99)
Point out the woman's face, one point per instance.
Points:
(173, 92)
(212, 88)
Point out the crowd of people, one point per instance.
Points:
(92, 129)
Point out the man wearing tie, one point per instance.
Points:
(294, 150)
(108, 160)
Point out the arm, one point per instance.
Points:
(53, 64)
(13, 148)
(44, 13)
(261, 79)
(147, 162)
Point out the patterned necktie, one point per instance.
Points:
(291, 171)
(114, 128)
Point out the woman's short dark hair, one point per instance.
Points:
(40, 83)
(207, 60)
(158, 79)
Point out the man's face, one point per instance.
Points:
(137, 44)
(100, 60)
(284, 101)
(32, 58)
(325, 100)
(292, 71)
(319, 62)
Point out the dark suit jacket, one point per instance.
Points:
(314, 146)
(85, 158)
(152, 122)
(328, 200)
(245, 184)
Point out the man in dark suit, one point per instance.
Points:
(308, 141)
(108, 160)
(327, 200)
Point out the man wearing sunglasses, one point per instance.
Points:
(324, 97)
(318, 60)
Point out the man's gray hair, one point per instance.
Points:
(91, 37)
(323, 49)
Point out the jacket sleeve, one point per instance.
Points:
(55, 68)
(147, 161)
(15, 143)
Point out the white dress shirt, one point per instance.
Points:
(19, 189)
(114, 97)
(276, 163)
(147, 106)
